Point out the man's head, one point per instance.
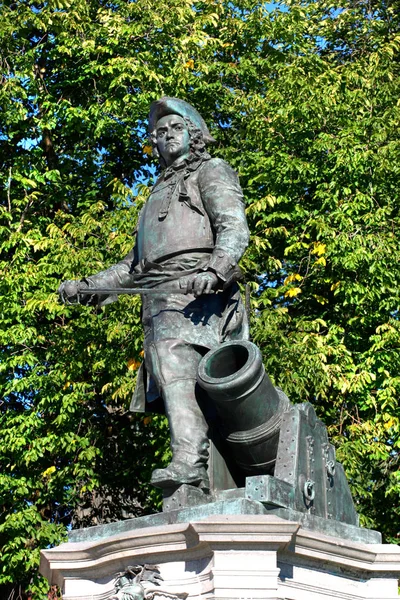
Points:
(182, 123)
(176, 137)
(172, 139)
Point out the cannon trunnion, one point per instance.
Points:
(282, 449)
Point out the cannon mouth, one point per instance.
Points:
(231, 369)
(227, 361)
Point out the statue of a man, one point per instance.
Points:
(190, 236)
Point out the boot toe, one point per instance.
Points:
(179, 474)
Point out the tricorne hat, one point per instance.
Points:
(174, 106)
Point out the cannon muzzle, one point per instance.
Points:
(249, 406)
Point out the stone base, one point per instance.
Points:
(184, 506)
(227, 556)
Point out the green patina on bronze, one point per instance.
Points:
(190, 237)
(191, 234)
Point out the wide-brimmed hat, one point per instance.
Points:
(174, 106)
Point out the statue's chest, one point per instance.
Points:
(163, 198)
(170, 204)
(173, 221)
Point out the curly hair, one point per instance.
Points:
(197, 143)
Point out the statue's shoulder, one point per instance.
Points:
(215, 168)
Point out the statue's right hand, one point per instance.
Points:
(69, 291)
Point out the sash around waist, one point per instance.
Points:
(169, 271)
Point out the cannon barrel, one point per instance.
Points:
(249, 406)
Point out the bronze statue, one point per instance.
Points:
(190, 237)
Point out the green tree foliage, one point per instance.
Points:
(303, 101)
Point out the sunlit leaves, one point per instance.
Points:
(303, 102)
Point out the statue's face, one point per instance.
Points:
(172, 137)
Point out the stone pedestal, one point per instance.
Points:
(227, 556)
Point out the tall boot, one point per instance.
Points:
(189, 441)
(173, 364)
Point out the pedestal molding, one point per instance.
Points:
(223, 556)
(374, 557)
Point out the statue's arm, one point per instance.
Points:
(117, 276)
(222, 197)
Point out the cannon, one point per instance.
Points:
(282, 449)
(249, 407)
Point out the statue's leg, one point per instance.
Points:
(189, 441)
(173, 364)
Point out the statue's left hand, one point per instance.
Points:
(204, 283)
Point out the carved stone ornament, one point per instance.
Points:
(138, 582)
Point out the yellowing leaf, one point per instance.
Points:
(48, 472)
(320, 299)
(334, 286)
(148, 149)
(147, 420)
(190, 64)
(318, 249)
(291, 278)
(321, 261)
(133, 364)
(106, 387)
(292, 292)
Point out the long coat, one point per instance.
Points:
(193, 221)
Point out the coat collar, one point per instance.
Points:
(184, 168)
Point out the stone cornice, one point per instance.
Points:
(202, 538)
(369, 557)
